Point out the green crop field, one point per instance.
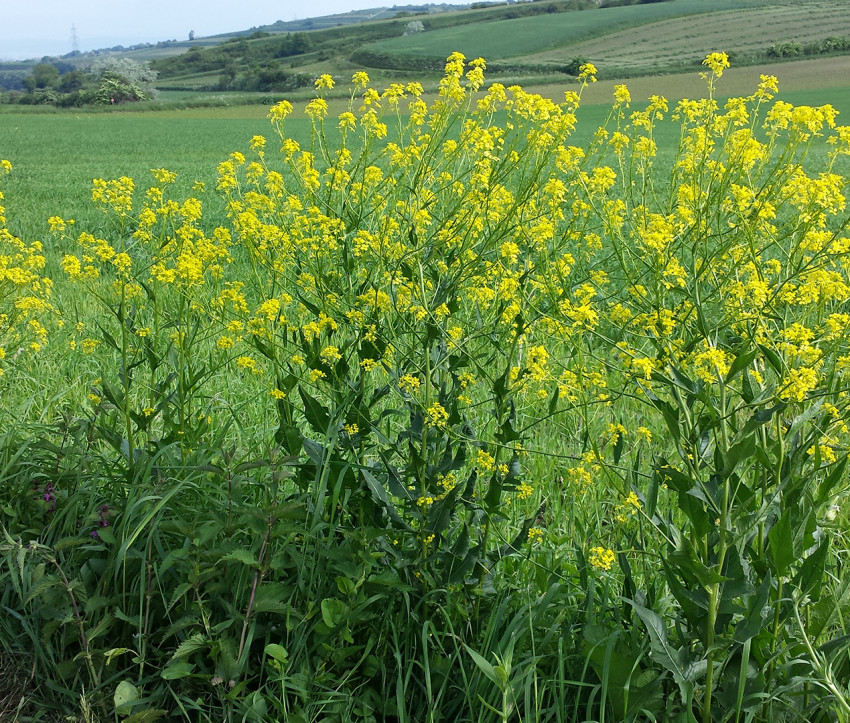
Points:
(521, 36)
(665, 44)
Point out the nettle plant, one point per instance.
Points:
(434, 336)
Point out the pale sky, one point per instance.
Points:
(33, 28)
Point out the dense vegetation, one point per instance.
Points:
(109, 81)
(437, 412)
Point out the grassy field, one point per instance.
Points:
(515, 38)
(473, 419)
(56, 155)
(664, 44)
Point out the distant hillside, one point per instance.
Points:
(356, 16)
(282, 61)
(540, 41)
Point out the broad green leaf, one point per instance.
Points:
(781, 539)
(835, 474)
(810, 578)
(318, 416)
(753, 622)
(178, 670)
(742, 361)
(125, 695)
(665, 654)
(334, 612)
(195, 643)
(278, 652)
(243, 556)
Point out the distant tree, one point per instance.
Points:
(293, 44)
(139, 73)
(191, 35)
(45, 75)
(121, 80)
(414, 27)
(72, 81)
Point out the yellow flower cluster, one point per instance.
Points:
(24, 292)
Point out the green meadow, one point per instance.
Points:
(56, 155)
(494, 409)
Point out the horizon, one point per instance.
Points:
(53, 28)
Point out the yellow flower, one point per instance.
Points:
(246, 362)
(601, 558)
(622, 95)
(56, 223)
(717, 62)
(587, 73)
(347, 121)
(279, 111)
(524, 491)
(409, 384)
(317, 108)
(437, 415)
(324, 81)
(331, 354)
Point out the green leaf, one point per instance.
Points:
(668, 411)
(825, 488)
(801, 419)
(334, 612)
(381, 496)
(772, 358)
(742, 361)
(318, 416)
(195, 643)
(125, 695)
(345, 585)
(278, 652)
(665, 654)
(487, 668)
(810, 578)
(145, 716)
(175, 671)
(753, 623)
(243, 556)
(781, 539)
(683, 381)
(738, 452)
(694, 603)
(114, 652)
(618, 448)
(507, 433)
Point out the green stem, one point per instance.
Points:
(125, 374)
